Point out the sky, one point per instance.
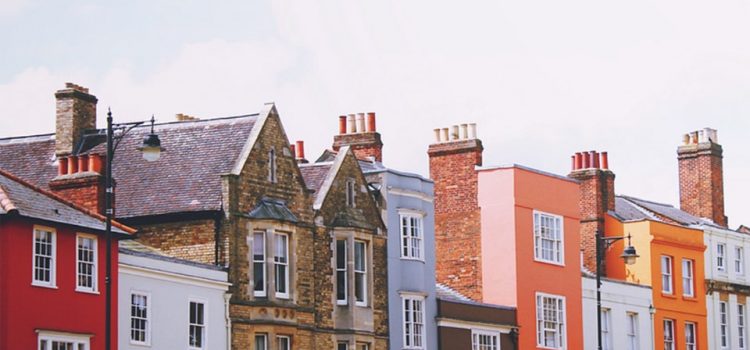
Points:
(542, 79)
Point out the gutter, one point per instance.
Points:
(227, 297)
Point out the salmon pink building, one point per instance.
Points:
(52, 257)
(509, 235)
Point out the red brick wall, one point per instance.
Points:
(457, 215)
(367, 144)
(702, 181)
(597, 197)
(86, 191)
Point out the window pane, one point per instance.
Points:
(341, 270)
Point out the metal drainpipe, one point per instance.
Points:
(227, 297)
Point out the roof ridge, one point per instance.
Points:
(25, 136)
(630, 198)
(62, 200)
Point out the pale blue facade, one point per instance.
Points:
(410, 196)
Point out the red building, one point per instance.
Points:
(52, 271)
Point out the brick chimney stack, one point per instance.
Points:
(80, 176)
(701, 172)
(359, 132)
(597, 198)
(453, 158)
(76, 112)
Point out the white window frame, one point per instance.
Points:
(721, 255)
(147, 330)
(342, 272)
(263, 336)
(606, 329)
(688, 327)
(264, 285)
(412, 235)
(272, 166)
(741, 319)
(48, 337)
(723, 324)
(288, 342)
(203, 326)
(739, 260)
(52, 283)
(477, 337)
(561, 325)
(688, 278)
(277, 262)
(413, 320)
(95, 264)
(668, 324)
(361, 272)
(558, 250)
(632, 330)
(667, 276)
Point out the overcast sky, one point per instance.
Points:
(542, 79)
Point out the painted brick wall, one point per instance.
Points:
(457, 215)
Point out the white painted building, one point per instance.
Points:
(626, 318)
(727, 287)
(168, 303)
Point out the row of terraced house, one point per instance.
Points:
(233, 239)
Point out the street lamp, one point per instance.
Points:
(628, 256)
(151, 150)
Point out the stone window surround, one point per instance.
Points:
(271, 227)
(353, 340)
(351, 235)
(272, 334)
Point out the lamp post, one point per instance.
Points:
(629, 256)
(151, 150)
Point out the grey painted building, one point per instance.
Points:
(406, 201)
(169, 303)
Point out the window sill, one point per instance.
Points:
(145, 345)
(342, 303)
(362, 305)
(87, 291)
(690, 298)
(406, 258)
(670, 296)
(48, 286)
(549, 262)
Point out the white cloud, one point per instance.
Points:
(543, 79)
(13, 7)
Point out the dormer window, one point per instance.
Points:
(272, 165)
(350, 193)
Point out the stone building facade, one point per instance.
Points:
(229, 191)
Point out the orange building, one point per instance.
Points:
(509, 235)
(671, 254)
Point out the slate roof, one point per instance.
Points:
(447, 293)
(314, 174)
(18, 197)
(634, 209)
(185, 179)
(273, 209)
(134, 248)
